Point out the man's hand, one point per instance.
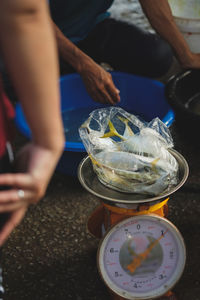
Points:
(191, 62)
(99, 84)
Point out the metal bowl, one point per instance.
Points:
(91, 183)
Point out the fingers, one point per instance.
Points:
(113, 95)
(97, 96)
(11, 200)
(23, 189)
(23, 181)
(13, 221)
(109, 92)
(113, 91)
(100, 86)
(13, 195)
(11, 207)
(102, 96)
(107, 97)
(106, 94)
(19, 180)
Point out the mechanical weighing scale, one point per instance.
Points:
(142, 254)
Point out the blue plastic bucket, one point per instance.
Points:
(139, 95)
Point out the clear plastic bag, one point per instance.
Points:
(129, 154)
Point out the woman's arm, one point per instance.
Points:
(160, 17)
(29, 51)
(28, 47)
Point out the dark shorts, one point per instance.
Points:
(126, 48)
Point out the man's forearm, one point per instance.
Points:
(70, 52)
(160, 17)
(98, 81)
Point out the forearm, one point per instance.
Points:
(32, 65)
(160, 17)
(70, 52)
(98, 82)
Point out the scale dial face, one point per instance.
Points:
(142, 257)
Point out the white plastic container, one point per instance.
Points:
(187, 17)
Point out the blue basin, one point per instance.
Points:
(139, 95)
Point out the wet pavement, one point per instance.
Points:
(52, 256)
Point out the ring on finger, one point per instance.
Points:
(20, 194)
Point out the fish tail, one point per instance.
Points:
(125, 121)
(94, 161)
(111, 132)
(153, 164)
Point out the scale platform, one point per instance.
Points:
(91, 183)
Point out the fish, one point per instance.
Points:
(112, 132)
(127, 163)
(129, 160)
(128, 132)
(129, 173)
(146, 143)
(94, 136)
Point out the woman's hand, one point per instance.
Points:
(34, 167)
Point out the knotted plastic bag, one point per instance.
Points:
(129, 154)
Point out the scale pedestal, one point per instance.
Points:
(105, 216)
(116, 207)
